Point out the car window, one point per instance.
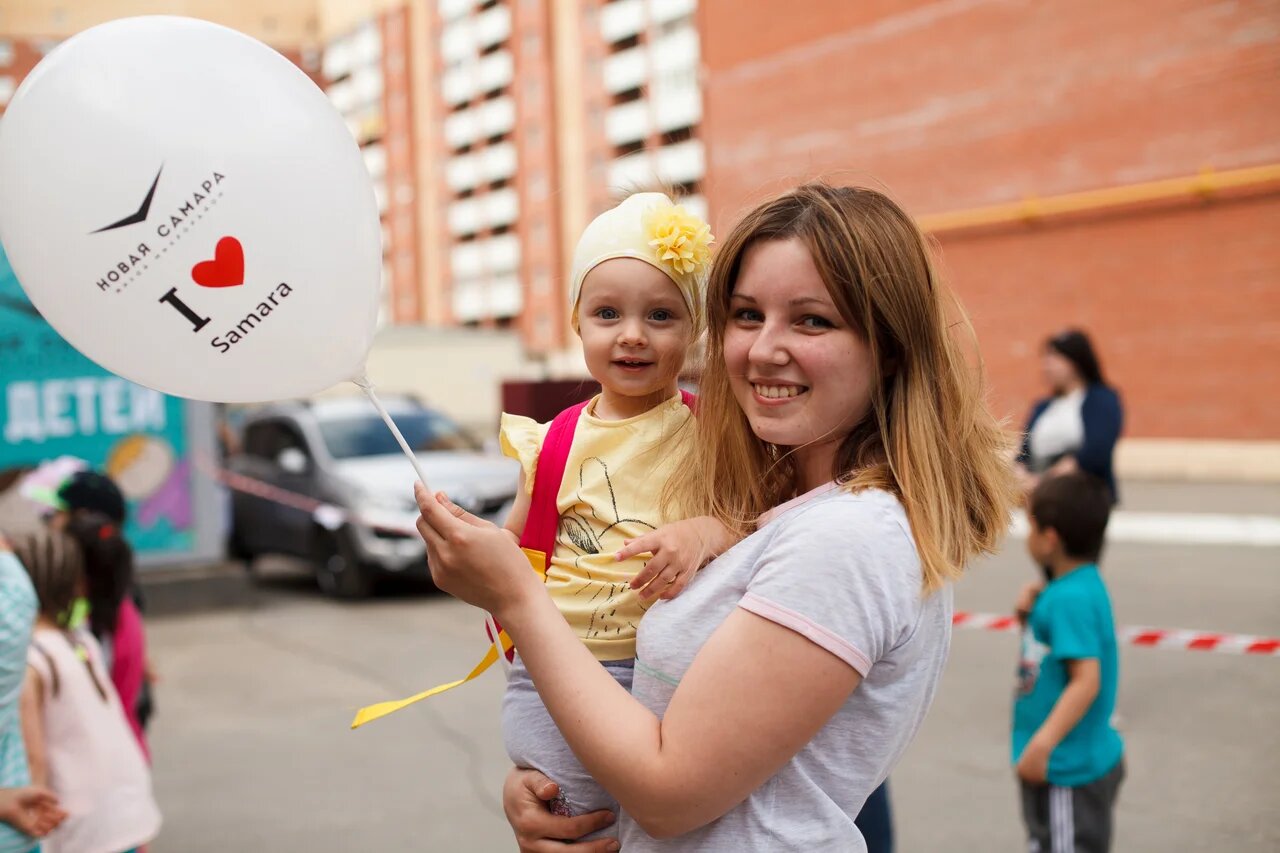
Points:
(360, 435)
(266, 439)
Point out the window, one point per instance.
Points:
(627, 96)
(626, 44)
(423, 429)
(268, 439)
(680, 134)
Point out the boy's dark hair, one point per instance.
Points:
(1077, 506)
(55, 563)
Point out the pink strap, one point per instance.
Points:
(544, 516)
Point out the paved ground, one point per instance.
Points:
(253, 752)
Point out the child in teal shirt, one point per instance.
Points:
(1068, 757)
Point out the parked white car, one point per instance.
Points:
(339, 454)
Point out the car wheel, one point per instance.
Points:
(339, 572)
(237, 550)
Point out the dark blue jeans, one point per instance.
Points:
(875, 821)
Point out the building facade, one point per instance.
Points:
(1108, 166)
(494, 130)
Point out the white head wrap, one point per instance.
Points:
(650, 228)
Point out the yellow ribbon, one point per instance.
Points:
(538, 561)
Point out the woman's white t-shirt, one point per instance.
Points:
(842, 570)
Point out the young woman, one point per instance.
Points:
(1076, 427)
(839, 418)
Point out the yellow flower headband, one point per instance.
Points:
(650, 228)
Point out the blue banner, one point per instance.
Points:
(56, 402)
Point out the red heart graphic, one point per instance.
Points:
(225, 270)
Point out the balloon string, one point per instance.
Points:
(367, 387)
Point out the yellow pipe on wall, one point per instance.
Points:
(1031, 209)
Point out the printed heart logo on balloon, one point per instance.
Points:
(225, 270)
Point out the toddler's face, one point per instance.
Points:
(635, 328)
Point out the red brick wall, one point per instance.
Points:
(952, 105)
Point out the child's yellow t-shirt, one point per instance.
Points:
(611, 492)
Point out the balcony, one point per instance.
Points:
(661, 11)
(466, 261)
(459, 84)
(498, 162)
(493, 27)
(366, 85)
(678, 49)
(468, 300)
(496, 117)
(462, 128)
(463, 172)
(631, 172)
(495, 70)
(681, 107)
(343, 96)
(697, 205)
(366, 46)
(500, 207)
(458, 41)
(626, 70)
(502, 253)
(375, 160)
(681, 163)
(621, 20)
(465, 217)
(450, 9)
(627, 123)
(505, 297)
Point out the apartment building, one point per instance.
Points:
(29, 29)
(516, 123)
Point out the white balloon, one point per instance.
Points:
(186, 208)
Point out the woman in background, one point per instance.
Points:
(1076, 427)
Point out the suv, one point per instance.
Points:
(357, 515)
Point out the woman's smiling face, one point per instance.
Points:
(799, 371)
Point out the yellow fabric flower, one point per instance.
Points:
(681, 240)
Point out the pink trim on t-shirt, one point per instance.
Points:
(807, 628)
(771, 514)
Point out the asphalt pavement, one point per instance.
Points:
(253, 751)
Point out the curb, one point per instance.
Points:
(187, 590)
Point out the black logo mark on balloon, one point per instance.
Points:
(141, 214)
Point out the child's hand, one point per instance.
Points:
(679, 550)
(1033, 765)
(33, 810)
(1027, 600)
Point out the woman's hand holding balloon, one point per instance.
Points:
(473, 559)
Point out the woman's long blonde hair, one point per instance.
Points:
(928, 437)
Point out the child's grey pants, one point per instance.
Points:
(533, 740)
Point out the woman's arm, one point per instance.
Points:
(31, 708)
(1102, 418)
(755, 694)
(733, 722)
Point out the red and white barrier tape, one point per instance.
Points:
(1159, 638)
